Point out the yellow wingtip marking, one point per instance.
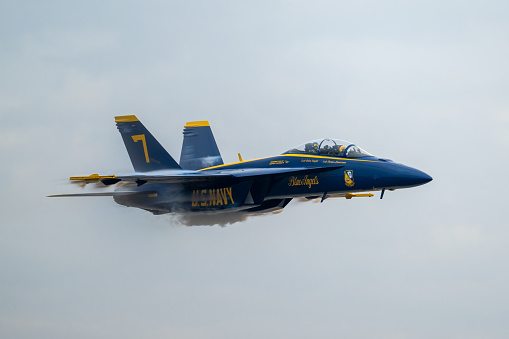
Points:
(94, 177)
(126, 118)
(197, 124)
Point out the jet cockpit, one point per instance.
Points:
(330, 147)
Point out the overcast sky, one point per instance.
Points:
(421, 82)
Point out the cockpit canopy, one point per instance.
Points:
(330, 147)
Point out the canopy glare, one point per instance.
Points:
(330, 147)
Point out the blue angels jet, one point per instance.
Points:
(201, 182)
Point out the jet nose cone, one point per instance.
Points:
(426, 178)
(413, 177)
(420, 177)
(401, 176)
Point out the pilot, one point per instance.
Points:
(342, 150)
(312, 148)
(316, 148)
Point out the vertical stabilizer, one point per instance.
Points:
(145, 151)
(199, 149)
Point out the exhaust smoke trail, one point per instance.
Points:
(188, 219)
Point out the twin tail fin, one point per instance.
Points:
(199, 149)
(145, 151)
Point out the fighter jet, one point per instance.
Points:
(202, 183)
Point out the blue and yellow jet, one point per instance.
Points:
(318, 169)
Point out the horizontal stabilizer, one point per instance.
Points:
(104, 194)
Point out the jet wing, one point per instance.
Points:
(177, 176)
(182, 176)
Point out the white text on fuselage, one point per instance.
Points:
(212, 197)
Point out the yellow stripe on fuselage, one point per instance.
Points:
(289, 155)
(323, 157)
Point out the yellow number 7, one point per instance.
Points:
(141, 137)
